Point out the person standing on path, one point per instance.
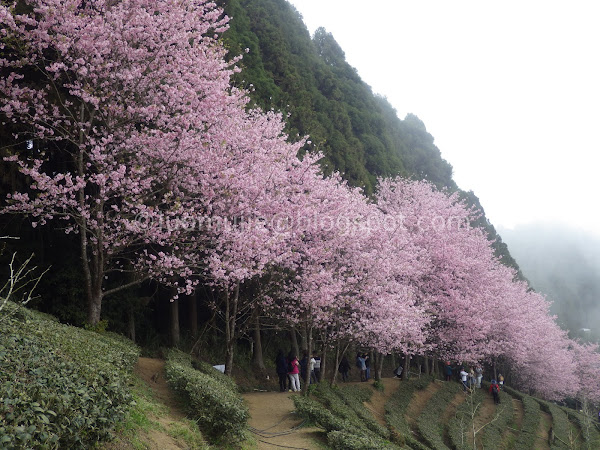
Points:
(316, 372)
(362, 365)
(463, 377)
(448, 371)
(367, 366)
(282, 372)
(495, 391)
(344, 368)
(479, 374)
(294, 373)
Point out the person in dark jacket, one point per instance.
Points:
(344, 368)
(281, 367)
(448, 369)
(495, 391)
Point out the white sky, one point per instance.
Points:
(510, 90)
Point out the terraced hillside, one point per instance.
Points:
(432, 414)
(436, 414)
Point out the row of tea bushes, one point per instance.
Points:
(212, 398)
(60, 386)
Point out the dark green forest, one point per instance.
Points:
(309, 81)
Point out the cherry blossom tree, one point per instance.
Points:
(124, 103)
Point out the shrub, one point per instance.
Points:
(354, 397)
(531, 419)
(344, 428)
(429, 422)
(560, 422)
(587, 425)
(60, 386)
(460, 426)
(314, 411)
(220, 410)
(492, 436)
(396, 407)
(341, 440)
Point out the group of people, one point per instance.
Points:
(472, 379)
(290, 370)
(363, 363)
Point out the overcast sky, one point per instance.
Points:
(510, 91)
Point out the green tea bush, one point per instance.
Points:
(220, 410)
(341, 440)
(492, 435)
(587, 424)
(314, 411)
(531, 419)
(396, 406)
(60, 386)
(429, 422)
(342, 433)
(460, 426)
(560, 423)
(354, 396)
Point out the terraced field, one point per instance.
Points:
(433, 414)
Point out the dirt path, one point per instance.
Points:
(485, 414)
(418, 402)
(511, 434)
(541, 442)
(377, 403)
(273, 422)
(449, 413)
(152, 372)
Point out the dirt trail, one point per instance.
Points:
(152, 372)
(541, 442)
(274, 423)
(512, 431)
(418, 402)
(486, 414)
(377, 403)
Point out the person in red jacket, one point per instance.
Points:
(495, 391)
(293, 372)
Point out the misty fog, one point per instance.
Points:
(563, 264)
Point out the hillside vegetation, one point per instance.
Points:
(149, 188)
(65, 387)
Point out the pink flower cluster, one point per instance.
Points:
(131, 113)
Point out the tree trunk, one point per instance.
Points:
(378, 365)
(94, 308)
(303, 338)
(294, 342)
(309, 349)
(193, 313)
(337, 364)
(406, 366)
(434, 367)
(174, 316)
(257, 356)
(231, 304)
(426, 364)
(131, 323)
(324, 359)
